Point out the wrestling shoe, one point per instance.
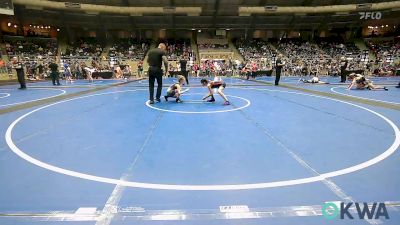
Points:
(178, 100)
(227, 103)
(166, 98)
(211, 100)
(158, 100)
(385, 88)
(151, 102)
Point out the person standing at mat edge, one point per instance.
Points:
(17, 65)
(184, 72)
(343, 67)
(155, 59)
(55, 77)
(278, 67)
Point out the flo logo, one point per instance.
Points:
(331, 210)
(370, 15)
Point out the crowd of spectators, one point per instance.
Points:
(40, 70)
(322, 57)
(217, 67)
(336, 50)
(212, 46)
(254, 50)
(256, 53)
(181, 48)
(32, 48)
(129, 49)
(206, 68)
(85, 47)
(303, 58)
(32, 52)
(385, 51)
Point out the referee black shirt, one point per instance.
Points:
(19, 67)
(278, 65)
(155, 58)
(53, 67)
(183, 64)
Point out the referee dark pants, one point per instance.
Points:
(248, 74)
(21, 79)
(155, 73)
(55, 78)
(277, 77)
(185, 74)
(342, 76)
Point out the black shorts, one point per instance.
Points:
(171, 93)
(219, 85)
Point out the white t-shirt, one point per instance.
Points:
(315, 79)
(89, 70)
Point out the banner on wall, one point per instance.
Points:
(6, 7)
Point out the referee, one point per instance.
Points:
(155, 59)
(184, 72)
(55, 76)
(278, 67)
(343, 66)
(18, 66)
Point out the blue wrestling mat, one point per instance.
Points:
(276, 155)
